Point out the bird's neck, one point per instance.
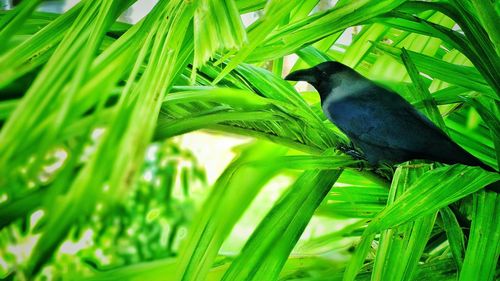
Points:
(340, 85)
(324, 91)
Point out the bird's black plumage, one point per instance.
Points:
(381, 123)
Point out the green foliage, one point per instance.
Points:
(90, 108)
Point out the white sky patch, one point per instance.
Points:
(102, 258)
(95, 136)
(213, 151)
(97, 133)
(57, 6)
(289, 62)
(457, 28)
(71, 248)
(60, 156)
(152, 152)
(35, 218)
(139, 10)
(444, 48)
(70, 3)
(426, 76)
(302, 86)
(23, 249)
(5, 4)
(249, 18)
(4, 197)
(148, 176)
(347, 35)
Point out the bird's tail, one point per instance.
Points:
(495, 187)
(473, 161)
(462, 156)
(486, 167)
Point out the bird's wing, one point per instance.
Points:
(384, 119)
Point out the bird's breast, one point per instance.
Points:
(350, 116)
(345, 91)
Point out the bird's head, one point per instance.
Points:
(324, 76)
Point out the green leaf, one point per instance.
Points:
(489, 17)
(121, 167)
(296, 35)
(401, 247)
(267, 249)
(464, 76)
(427, 195)
(422, 93)
(454, 234)
(274, 13)
(230, 197)
(11, 22)
(491, 121)
(217, 26)
(481, 256)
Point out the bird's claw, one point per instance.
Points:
(358, 156)
(350, 150)
(355, 154)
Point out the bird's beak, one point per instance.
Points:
(303, 75)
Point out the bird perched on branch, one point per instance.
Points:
(381, 123)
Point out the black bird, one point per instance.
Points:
(381, 123)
